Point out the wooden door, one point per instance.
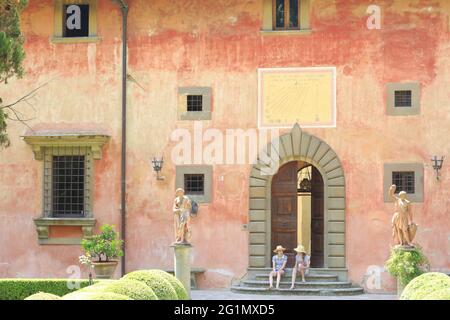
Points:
(284, 210)
(317, 220)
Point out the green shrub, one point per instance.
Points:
(19, 289)
(425, 285)
(176, 284)
(97, 287)
(133, 289)
(406, 265)
(104, 246)
(443, 294)
(43, 296)
(160, 286)
(78, 295)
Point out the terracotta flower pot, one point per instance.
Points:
(104, 270)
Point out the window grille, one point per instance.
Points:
(194, 103)
(404, 181)
(67, 174)
(403, 98)
(79, 31)
(194, 184)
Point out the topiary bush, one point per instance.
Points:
(43, 296)
(176, 284)
(97, 287)
(133, 289)
(19, 289)
(443, 294)
(425, 285)
(160, 286)
(79, 295)
(406, 264)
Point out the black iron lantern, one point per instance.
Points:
(437, 165)
(157, 166)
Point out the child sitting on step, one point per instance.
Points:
(278, 265)
(302, 262)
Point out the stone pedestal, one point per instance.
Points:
(182, 264)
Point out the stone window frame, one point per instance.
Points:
(268, 27)
(392, 110)
(58, 22)
(205, 114)
(43, 144)
(206, 170)
(417, 168)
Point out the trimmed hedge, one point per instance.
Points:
(79, 295)
(133, 289)
(19, 289)
(443, 294)
(43, 296)
(425, 285)
(160, 286)
(176, 284)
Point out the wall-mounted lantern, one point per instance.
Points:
(157, 166)
(437, 165)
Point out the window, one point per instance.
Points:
(286, 14)
(68, 177)
(286, 17)
(76, 20)
(407, 177)
(68, 165)
(194, 103)
(67, 185)
(403, 98)
(194, 184)
(404, 181)
(196, 180)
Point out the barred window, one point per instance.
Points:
(403, 98)
(286, 14)
(194, 103)
(67, 182)
(404, 180)
(68, 185)
(76, 20)
(194, 184)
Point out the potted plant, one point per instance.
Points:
(405, 264)
(104, 249)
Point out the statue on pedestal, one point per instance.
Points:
(182, 213)
(404, 229)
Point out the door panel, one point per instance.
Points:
(284, 209)
(317, 220)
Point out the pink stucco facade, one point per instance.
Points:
(218, 44)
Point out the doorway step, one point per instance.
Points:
(318, 283)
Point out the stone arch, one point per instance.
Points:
(299, 146)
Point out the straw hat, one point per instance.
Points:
(300, 249)
(279, 248)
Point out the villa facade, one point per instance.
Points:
(357, 97)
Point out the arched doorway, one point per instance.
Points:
(299, 146)
(297, 211)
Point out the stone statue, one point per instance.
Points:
(404, 229)
(182, 213)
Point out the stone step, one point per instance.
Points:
(300, 291)
(308, 277)
(299, 285)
